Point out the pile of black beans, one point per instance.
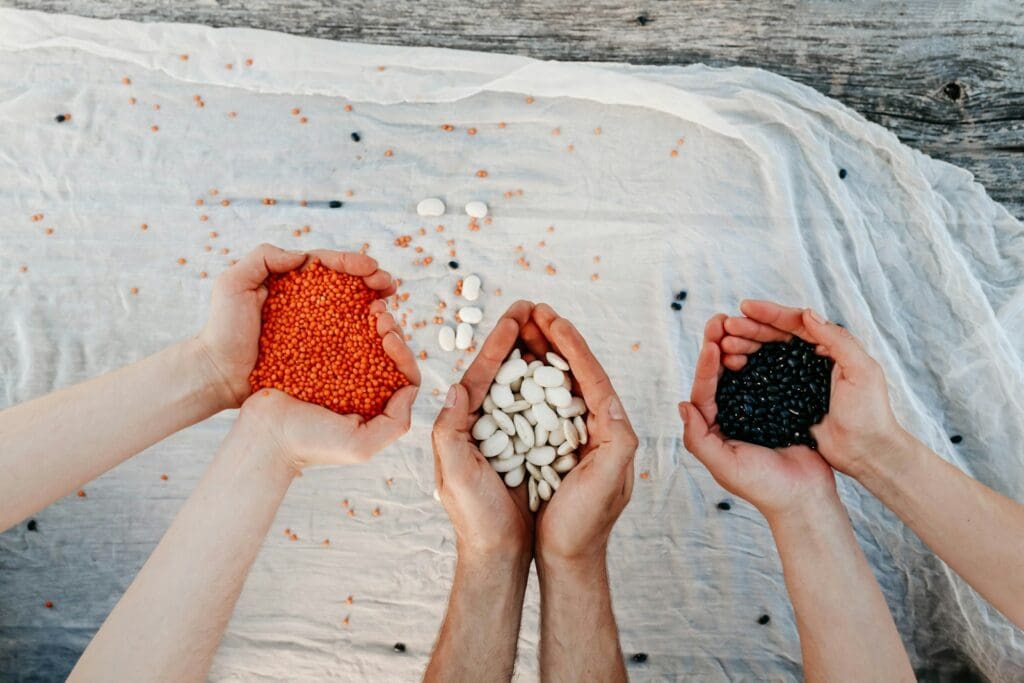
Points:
(776, 397)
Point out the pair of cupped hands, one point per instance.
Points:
(488, 517)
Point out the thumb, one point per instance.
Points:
(836, 341)
(705, 445)
(618, 440)
(451, 436)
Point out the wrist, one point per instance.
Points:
(256, 420)
(558, 566)
(506, 557)
(222, 395)
(806, 512)
(885, 458)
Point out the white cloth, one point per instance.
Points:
(907, 251)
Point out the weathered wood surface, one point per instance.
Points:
(947, 76)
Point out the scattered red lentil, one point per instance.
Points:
(163, 477)
(154, 128)
(248, 62)
(296, 233)
(295, 112)
(389, 481)
(144, 226)
(202, 274)
(351, 513)
(269, 201)
(680, 141)
(303, 119)
(556, 131)
(326, 541)
(549, 269)
(22, 269)
(597, 131)
(48, 231)
(126, 80)
(471, 131)
(156, 107)
(345, 621)
(594, 277)
(182, 261)
(344, 503)
(376, 512)
(636, 346)
(203, 218)
(225, 202)
(183, 58)
(133, 290)
(132, 100)
(481, 173)
(448, 128)
(529, 100)
(81, 493)
(389, 152)
(36, 217)
(294, 537)
(645, 475)
(674, 153)
(48, 604)
(348, 107)
(319, 343)
(229, 67)
(501, 124)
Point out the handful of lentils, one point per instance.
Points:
(319, 343)
(775, 398)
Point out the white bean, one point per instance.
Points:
(533, 366)
(571, 435)
(581, 428)
(476, 209)
(503, 421)
(523, 430)
(545, 416)
(544, 490)
(557, 361)
(471, 287)
(502, 465)
(510, 370)
(530, 417)
(533, 470)
(502, 395)
(517, 406)
(484, 427)
(564, 464)
(494, 444)
(531, 391)
(437, 495)
(446, 338)
(576, 407)
(547, 376)
(515, 385)
(541, 455)
(431, 206)
(551, 477)
(565, 449)
(557, 436)
(470, 314)
(508, 452)
(488, 404)
(514, 478)
(540, 435)
(558, 397)
(515, 354)
(534, 496)
(463, 336)
(567, 382)
(519, 446)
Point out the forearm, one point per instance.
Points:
(481, 628)
(976, 531)
(54, 444)
(579, 640)
(168, 624)
(846, 630)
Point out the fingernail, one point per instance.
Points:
(449, 400)
(615, 411)
(817, 318)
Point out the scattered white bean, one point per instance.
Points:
(534, 496)
(471, 287)
(541, 455)
(502, 465)
(544, 490)
(494, 444)
(557, 361)
(476, 209)
(484, 427)
(463, 336)
(514, 478)
(470, 314)
(502, 395)
(510, 370)
(531, 391)
(446, 338)
(524, 431)
(564, 464)
(431, 206)
(551, 477)
(558, 397)
(547, 376)
(503, 421)
(581, 428)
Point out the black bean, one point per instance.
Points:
(956, 438)
(681, 296)
(725, 505)
(842, 173)
(763, 619)
(639, 657)
(676, 306)
(355, 137)
(335, 204)
(60, 118)
(32, 525)
(399, 647)
(453, 264)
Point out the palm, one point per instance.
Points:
(502, 512)
(232, 335)
(577, 512)
(772, 478)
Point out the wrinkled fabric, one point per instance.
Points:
(606, 225)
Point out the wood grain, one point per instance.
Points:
(946, 76)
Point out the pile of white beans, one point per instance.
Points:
(532, 424)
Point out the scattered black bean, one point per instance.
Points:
(956, 438)
(681, 296)
(763, 619)
(453, 264)
(399, 647)
(776, 397)
(676, 306)
(842, 173)
(32, 526)
(335, 204)
(643, 20)
(355, 137)
(60, 118)
(639, 657)
(725, 505)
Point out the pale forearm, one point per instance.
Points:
(481, 628)
(54, 444)
(976, 531)
(168, 624)
(579, 638)
(846, 630)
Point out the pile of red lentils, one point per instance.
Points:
(319, 343)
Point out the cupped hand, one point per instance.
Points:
(860, 425)
(775, 481)
(305, 433)
(489, 518)
(230, 338)
(575, 524)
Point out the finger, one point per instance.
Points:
(618, 442)
(450, 436)
(349, 262)
(381, 281)
(386, 323)
(738, 346)
(705, 381)
(714, 328)
(534, 339)
(378, 306)
(495, 350)
(380, 431)
(253, 268)
(586, 370)
(748, 328)
(838, 342)
(401, 354)
(734, 363)
(780, 317)
(705, 445)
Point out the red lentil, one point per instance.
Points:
(48, 604)
(163, 477)
(319, 343)
(81, 493)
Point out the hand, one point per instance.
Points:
(489, 518)
(573, 527)
(305, 433)
(776, 481)
(230, 339)
(860, 425)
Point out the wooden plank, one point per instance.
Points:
(946, 77)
